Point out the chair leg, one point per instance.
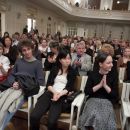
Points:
(71, 117)
(74, 127)
(78, 113)
(124, 122)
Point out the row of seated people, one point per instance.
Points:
(42, 45)
(102, 84)
(79, 65)
(81, 61)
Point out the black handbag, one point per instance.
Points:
(68, 100)
(71, 97)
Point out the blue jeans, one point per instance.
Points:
(10, 115)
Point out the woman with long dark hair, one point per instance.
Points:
(102, 90)
(60, 83)
(10, 51)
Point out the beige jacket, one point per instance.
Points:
(9, 101)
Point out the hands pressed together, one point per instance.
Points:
(103, 84)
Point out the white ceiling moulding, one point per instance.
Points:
(31, 12)
(3, 5)
(62, 4)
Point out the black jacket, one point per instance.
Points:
(71, 76)
(28, 84)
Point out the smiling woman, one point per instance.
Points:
(101, 89)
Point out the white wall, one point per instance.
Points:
(129, 5)
(102, 29)
(80, 29)
(18, 11)
(105, 4)
(16, 14)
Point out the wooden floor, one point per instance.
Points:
(20, 122)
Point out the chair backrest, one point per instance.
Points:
(77, 83)
(43, 61)
(128, 71)
(122, 74)
(83, 83)
(46, 76)
(125, 92)
(80, 83)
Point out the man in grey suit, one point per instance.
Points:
(80, 60)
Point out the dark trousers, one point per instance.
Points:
(42, 106)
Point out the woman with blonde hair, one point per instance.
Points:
(108, 48)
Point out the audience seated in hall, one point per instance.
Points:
(83, 51)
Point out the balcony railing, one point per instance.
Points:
(91, 13)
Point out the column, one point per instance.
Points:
(106, 4)
(2, 23)
(129, 5)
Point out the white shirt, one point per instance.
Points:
(42, 49)
(60, 82)
(5, 61)
(16, 42)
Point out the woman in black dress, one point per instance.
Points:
(101, 88)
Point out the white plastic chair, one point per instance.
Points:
(125, 104)
(76, 103)
(43, 61)
(32, 100)
(42, 89)
(121, 74)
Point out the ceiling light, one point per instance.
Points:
(118, 2)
